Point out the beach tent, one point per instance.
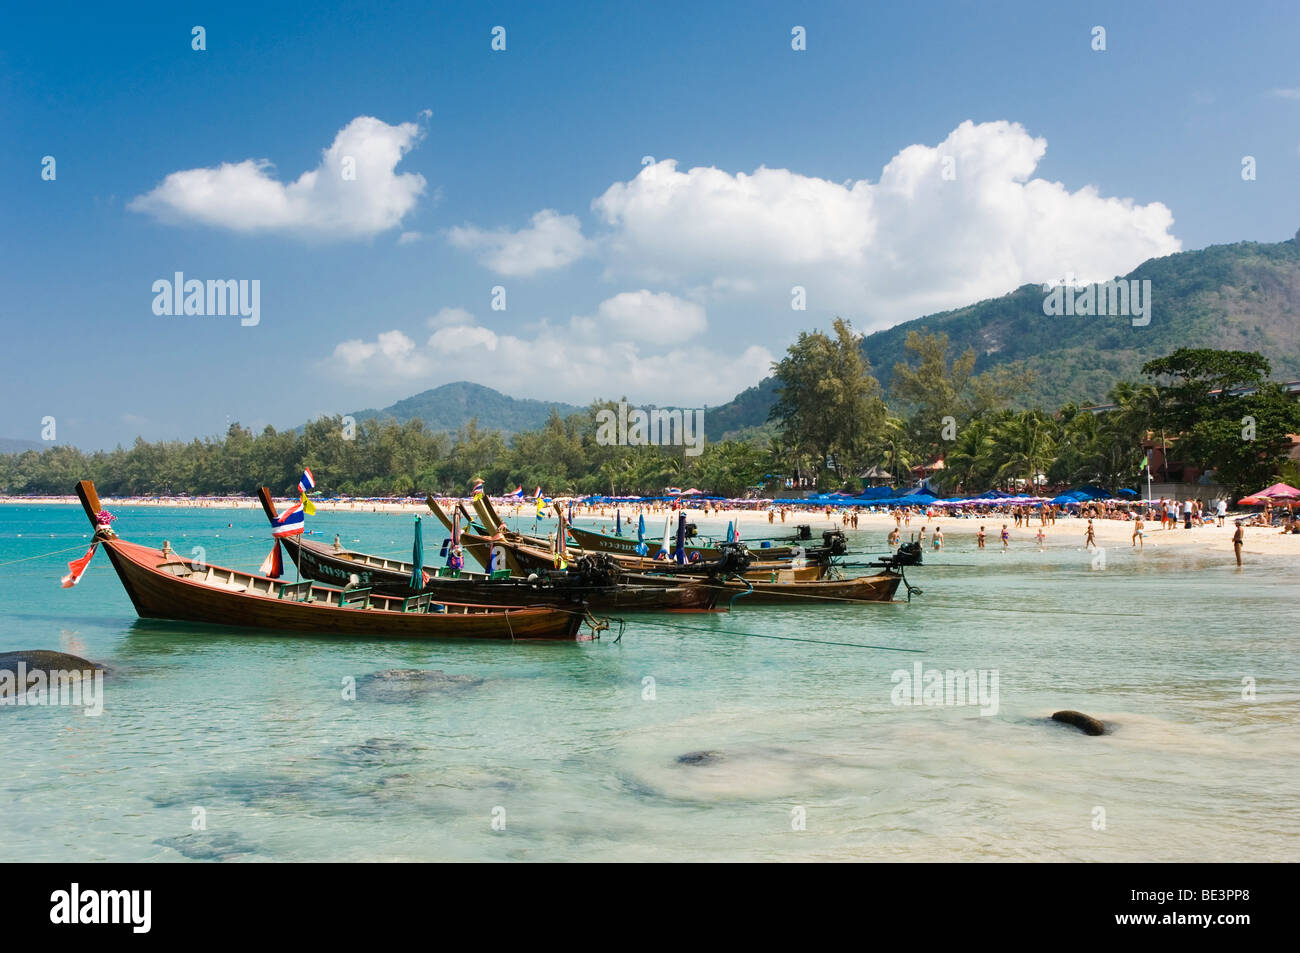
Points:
(1277, 493)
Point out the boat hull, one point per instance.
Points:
(157, 593)
(879, 588)
(392, 577)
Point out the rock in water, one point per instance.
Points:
(40, 660)
(407, 684)
(1085, 723)
(700, 757)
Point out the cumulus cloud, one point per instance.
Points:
(646, 316)
(565, 361)
(944, 226)
(355, 192)
(551, 241)
(392, 354)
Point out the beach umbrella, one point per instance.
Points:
(679, 551)
(1278, 492)
(417, 557)
(641, 548)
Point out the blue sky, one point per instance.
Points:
(667, 282)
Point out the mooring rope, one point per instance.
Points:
(82, 545)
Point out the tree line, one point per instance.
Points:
(1217, 410)
(1214, 410)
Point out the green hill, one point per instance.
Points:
(1244, 296)
(447, 407)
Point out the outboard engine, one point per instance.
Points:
(691, 530)
(908, 554)
(834, 541)
(733, 560)
(597, 569)
(803, 531)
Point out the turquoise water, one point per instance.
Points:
(560, 742)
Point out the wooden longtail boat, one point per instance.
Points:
(603, 543)
(757, 591)
(526, 554)
(163, 585)
(393, 577)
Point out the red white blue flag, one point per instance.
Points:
(308, 482)
(289, 523)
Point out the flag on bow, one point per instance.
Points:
(541, 504)
(477, 492)
(78, 566)
(273, 564)
(307, 483)
(289, 523)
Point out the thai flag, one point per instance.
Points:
(518, 494)
(289, 523)
(477, 491)
(307, 483)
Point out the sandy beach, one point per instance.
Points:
(959, 532)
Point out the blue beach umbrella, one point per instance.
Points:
(417, 557)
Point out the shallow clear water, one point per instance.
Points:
(560, 742)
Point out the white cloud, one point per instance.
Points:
(911, 243)
(392, 355)
(646, 316)
(551, 241)
(559, 362)
(1293, 93)
(409, 238)
(450, 316)
(328, 202)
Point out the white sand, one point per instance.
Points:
(754, 523)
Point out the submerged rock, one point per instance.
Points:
(1085, 723)
(700, 757)
(405, 684)
(40, 660)
(378, 751)
(220, 846)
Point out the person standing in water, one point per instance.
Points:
(1137, 533)
(938, 538)
(1238, 537)
(979, 538)
(1041, 537)
(1090, 537)
(1006, 537)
